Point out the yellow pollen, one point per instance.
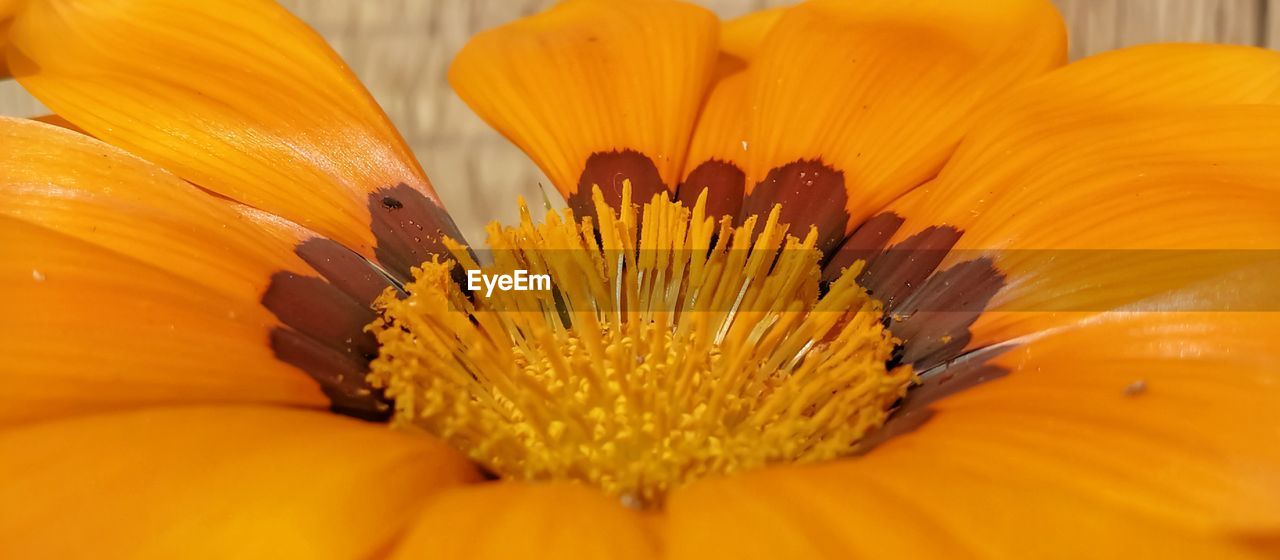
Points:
(670, 349)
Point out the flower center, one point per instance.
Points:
(665, 350)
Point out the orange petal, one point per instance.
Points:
(7, 9)
(4, 46)
(84, 188)
(717, 150)
(1169, 414)
(242, 99)
(132, 287)
(743, 37)
(1112, 213)
(216, 482)
(56, 120)
(851, 104)
(1122, 152)
(595, 91)
(91, 329)
(1127, 83)
(714, 163)
(1144, 435)
(518, 520)
(933, 506)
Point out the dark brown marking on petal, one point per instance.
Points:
(343, 268)
(409, 229)
(608, 170)
(324, 319)
(901, 270)
(811, 194)
(724, 184)
(341, 376)
(914, 410)
(867, 242)
(933, 322)
(900, 422)
(321, 311)
(930, 311)
(943, 381)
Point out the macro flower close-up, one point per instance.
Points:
(840, 279)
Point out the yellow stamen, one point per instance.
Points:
(668, 351)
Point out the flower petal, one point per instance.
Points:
(215, 482)
(7, 9)
(1169, 414)
(717, 146)
(843, 512)
(1112, 213)
(242, 99)
(520, 520)
(851, 104)
(132, 287)
(81, 187)
(4, 45)
(1124, 83)
(58, 121)
(1098, 185)
(717, 150)
(742, 37)
(91, 329)
(1145, 435)
(595, 91)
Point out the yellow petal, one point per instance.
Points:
(131, 287)
(851, 104)
(521, 520)
(217, 482)
(242, 99)
(1138, 436)
(595, 91)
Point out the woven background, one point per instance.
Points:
(400, 49)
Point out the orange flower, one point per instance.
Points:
(1073, 267)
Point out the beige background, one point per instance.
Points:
(400, 49)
